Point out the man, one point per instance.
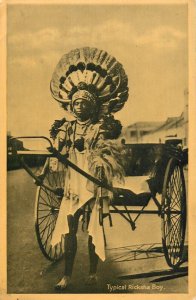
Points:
(73, 141)
(90, 84)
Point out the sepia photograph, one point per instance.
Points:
(97, 148)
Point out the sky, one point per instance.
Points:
(149, 40)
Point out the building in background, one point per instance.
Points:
(136, 132)
(158, 132)
(173, 127)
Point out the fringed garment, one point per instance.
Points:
(87, 148)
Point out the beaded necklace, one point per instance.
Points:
(82, 126)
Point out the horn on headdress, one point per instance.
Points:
(97, 72)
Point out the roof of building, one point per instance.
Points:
(171, 122)
(145, 125)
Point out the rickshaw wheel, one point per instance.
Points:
(47, 206)
(173, 213)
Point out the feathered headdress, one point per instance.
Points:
(91, 74)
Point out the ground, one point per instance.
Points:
(135, 262)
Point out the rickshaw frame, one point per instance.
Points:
(173, 162)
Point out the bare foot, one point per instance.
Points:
(92, 279)
(63, 283)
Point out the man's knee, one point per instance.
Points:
(73, 223)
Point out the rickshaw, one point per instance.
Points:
(162, 165)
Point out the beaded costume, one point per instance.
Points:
(92, 75)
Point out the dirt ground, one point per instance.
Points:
(134, 264)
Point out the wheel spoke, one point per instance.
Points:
(47, 225)
(49, 235)
(173, 232)
(43, 199)
(171, 228)
(48, 195)
(43, 219)
(54, 198)
(48, 205)
(44, 195)
(173, 187)
(176, 182)
(174, 207)
(43, 230)
(44, 216)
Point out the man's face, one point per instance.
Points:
(82, 109)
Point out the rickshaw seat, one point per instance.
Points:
(135, 192)
(127, 198)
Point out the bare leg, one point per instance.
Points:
(71, 244)
(70, 250)
(93, 257)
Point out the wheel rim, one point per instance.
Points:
(173, 214)
(46, 213)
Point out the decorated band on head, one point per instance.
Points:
(87, 99)
(92, 75)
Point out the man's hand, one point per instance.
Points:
(40, 179)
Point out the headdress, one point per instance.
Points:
(83, 94)
(92, 74)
